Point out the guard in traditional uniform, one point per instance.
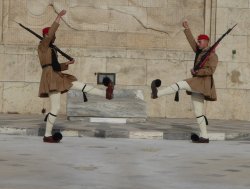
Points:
(53, 82)
(201, 86)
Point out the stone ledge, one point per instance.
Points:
(123, 133)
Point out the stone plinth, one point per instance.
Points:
(126, 104)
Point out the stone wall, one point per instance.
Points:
(139, 40)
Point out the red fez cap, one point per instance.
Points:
(46, 30)
(203, 37)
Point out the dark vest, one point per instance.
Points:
(55, 64)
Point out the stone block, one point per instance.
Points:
(18, 36)
(87, 3)
(222, 20)
(169, 19)
(177, 136)
(117, 133)
(105, 53)
(146, 54)
(146, 41)
(155, 107)
(156, 135)
(12, 67)
(85, 68)
(216, 136)
(2, 49)
(127, 19)
(128, 71)
(148, 3)
(21, 49)
(63, 104)
(232, 4)
(220, 75)
(189, 55)
(126, 104)
(106, 39)
(21, 98)
(74, 51)
(195, 4)
(238, 75)
(230, 43)
(231, 104)
(175, 55)
(181, 109)
(196, 18)
(248, 49)
(1, 20)
(165, 19)
(33, 70)
(107, 120)
(178, 45)
(169, 71)
(89, 18)
(231, 16)
(1, 96)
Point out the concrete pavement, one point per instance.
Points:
(94, 163)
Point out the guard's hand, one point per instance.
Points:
(70, 62)
(193, 72)
(62, 13)
(185, 24)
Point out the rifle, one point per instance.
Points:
(51, 45)
(205, 57)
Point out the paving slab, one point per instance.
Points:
(151, 128)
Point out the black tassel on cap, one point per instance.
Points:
(85, 99)
(176, 98)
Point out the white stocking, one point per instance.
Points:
(183, 85)
(55, 99)
(88, 89)
(198, 104)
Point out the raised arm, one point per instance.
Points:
(49, 37)
(189, 36)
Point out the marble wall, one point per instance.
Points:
(139, 40)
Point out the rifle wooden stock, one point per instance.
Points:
(205, 57)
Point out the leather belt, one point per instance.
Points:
(46, 65)
(203, 76)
